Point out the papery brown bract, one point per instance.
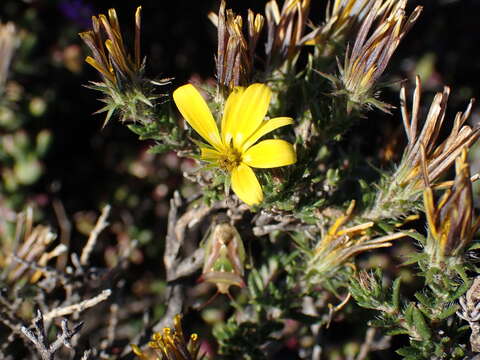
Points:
(382, 29)
(451, 222)
(236, 50)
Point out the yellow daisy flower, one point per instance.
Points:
(243, 124)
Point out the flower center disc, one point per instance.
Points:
(230, 159)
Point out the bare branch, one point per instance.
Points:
(189, 265)
(176, 234)
(76, 308)
(112, 324)
(45, 270)
(39, 338)
(174, 298)
(66, 336)
(92, 239)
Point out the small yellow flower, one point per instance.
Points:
(170, 344)
(243, 124)
(339, 245)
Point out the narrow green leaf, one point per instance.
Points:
(458, 352)
(420, 324)
(399, 331)
(474, 246)
(396, 294)
(462, 289)
(409, 314)
(416, 235)
(414, 357)
(255, 284)
(108, 117)
(380, 323)
(407, 351)
(424, 299)
(363, 185)
(137, 129)
(159, 148)
(413, 258)
(144, 99)
(449, 311)
(461, 271)
(386, 227)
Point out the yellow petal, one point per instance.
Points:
(430, 211)
(252, 109)
(246, 185)
(209, 154)
(230, 114)
(196, 112)
(265, 128)
(269, 154)
(100, 68)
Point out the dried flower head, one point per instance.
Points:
(340, 244)
(235, 53)
(8, 44)
(110, 57)
(31, 252)
(451, 222)
(341, 16)
(170, 344)
(243, 124)
(366, 61)
(401, 190)
(286, 30)
(125, 89)
(438, 157)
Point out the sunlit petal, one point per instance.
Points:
(252, 110)
(265, 128)
(246, 185)
(209, 154)
(269, 154)
(231, 114)
(196, 112)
